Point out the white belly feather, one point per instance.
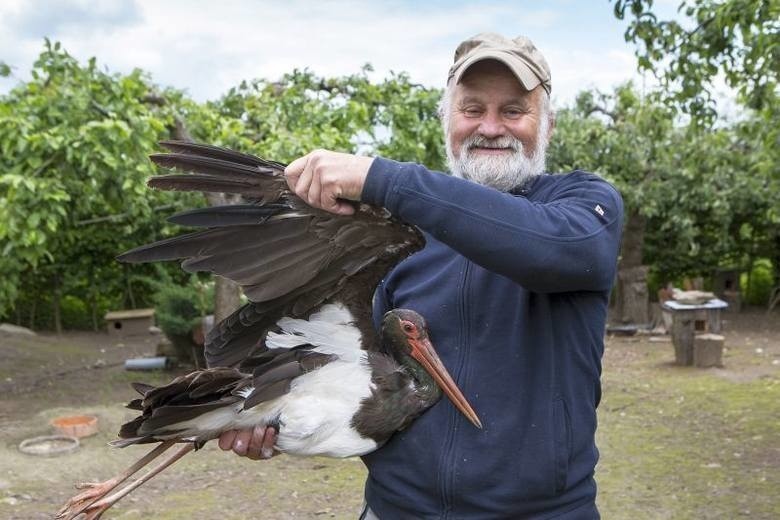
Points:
(316, 419)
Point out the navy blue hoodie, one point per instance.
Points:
(514, 287)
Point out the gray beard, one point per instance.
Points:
(502, 172)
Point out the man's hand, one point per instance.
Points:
(257, 443)
(327, 180)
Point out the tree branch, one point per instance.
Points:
(118, 216)
(596, 108)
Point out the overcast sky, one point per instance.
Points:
(207, 47)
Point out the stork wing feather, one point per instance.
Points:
(288, 258)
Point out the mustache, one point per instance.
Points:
(480, 141)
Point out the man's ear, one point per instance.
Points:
(551, 128)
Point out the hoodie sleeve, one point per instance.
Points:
(569, 242)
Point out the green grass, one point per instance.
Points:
(688, 443)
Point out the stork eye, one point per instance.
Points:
(408, 327)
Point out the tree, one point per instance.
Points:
(630, 140)
(694, 200)
(74, 142)
(739, 39)
(286, 118)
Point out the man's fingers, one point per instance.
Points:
(329, 180)
(226, 440)
(298, 173)
(303, 182)
(269, 440)
(329, 199)
(295, 168)
(314, 192)
(262, 445)
(341, 207)
(256, 442)
(241, 442)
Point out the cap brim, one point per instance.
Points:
(522, 72)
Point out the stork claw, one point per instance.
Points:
(94, 491)
(80, 503)
(91, 511)
(87, 485)
(95, 500)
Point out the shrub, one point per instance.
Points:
(178, 310)
(757, 291)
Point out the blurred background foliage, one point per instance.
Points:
(701, 190)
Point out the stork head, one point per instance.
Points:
(405, 335)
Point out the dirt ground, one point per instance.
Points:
(675, 442)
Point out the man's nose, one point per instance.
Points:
(492, 125)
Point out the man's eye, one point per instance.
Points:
(472, 112)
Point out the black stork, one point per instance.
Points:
(302, 355)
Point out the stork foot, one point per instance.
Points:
(94, 510)
(84, 501)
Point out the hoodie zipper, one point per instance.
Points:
(447, 465)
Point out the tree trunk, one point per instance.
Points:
(634, 301)
(93, 301)
(227, 298)
(57, 297)
(95, 324)
(632, 305)
(749, 282)
(227, 294)
(130, 294)
(32, 314)
(776, 258)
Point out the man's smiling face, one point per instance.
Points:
(497, 131)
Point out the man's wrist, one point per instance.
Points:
(379, 181)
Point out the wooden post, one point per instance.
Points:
(683, 325)
(713, 321)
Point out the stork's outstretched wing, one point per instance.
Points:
(289, 258)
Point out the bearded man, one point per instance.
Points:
(514, 282)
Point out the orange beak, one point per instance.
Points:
(423, 352)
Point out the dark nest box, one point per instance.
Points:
(725, 284)
(133, 322)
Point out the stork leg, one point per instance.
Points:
(96, 509)
(94, 491)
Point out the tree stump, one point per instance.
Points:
(708, 350)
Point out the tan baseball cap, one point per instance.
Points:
(518, 54)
